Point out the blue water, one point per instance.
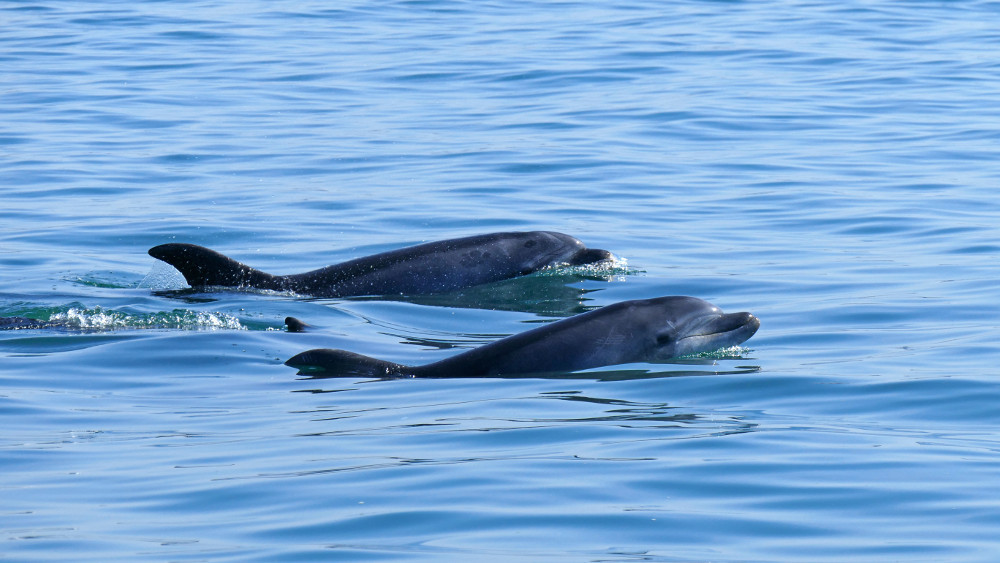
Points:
(829, 166)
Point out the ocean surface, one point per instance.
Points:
(832, 167)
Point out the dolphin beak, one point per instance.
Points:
(739, 321)
(590, 256)
(724, 330)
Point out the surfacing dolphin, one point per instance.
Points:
(434, 267)
(18, 323)
(631, 331)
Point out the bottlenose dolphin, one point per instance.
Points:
(17, 323)
(630, 331)
(433, 267)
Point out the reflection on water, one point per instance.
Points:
(597, 374)
(619, 420)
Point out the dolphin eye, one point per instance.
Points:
(666, 335)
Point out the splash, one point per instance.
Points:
(730, 353)
(181, 319)
(614, 269)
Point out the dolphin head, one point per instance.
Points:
(688, 325)
(548, 248)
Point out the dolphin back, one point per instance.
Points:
(15, 323)
(326, 362)
(201, 266)
(446, 265)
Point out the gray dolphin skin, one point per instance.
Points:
(630, 331)
(18, 323)
(434, 267)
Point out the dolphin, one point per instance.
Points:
(631, 331)
(433, 267)
(17, 323)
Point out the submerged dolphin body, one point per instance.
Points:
(433, 267)
(626, 332)
(18, 323)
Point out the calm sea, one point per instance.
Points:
(831, 167)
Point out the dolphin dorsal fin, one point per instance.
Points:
(295, 325)
(202, 266)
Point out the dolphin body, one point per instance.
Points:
(18, 323)
(433, 267)
(630, 331)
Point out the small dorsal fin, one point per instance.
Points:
(295, 325)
